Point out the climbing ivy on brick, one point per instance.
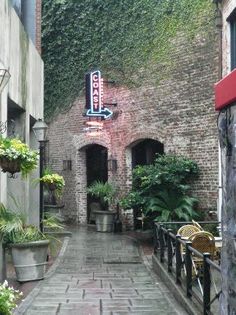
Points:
(129, 40)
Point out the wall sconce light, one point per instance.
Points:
(4, 78)
(67, 165)
(112, 164)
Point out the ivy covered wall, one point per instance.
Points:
(129, 40)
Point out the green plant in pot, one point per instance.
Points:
(106, 193)
(28, 245)
(16, 156)
(54, 184)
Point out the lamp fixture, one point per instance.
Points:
(4, 78)
(40, 130)
(112, 164)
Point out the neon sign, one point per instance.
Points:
(94, 96)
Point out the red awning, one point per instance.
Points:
(225, 91)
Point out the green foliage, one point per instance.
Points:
(51, 222)
(106, 192)
(212, 228)
(8, 298)
(167, 172)
(13, 149)
(127, 40)
(15, 229)
(161, 190)
(172, 206)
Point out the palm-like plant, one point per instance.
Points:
(15, 229)
(170, 205)
(104, 191)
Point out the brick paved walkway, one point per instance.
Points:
(100, 274)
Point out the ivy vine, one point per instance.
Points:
(124, 38)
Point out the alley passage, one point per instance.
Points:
(100, 274)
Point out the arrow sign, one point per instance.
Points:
(105, 112)
(94, 96)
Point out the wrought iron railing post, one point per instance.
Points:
(169, 251)
(206, 285)
(178, 259)
(155, 238)
(162, 243)
(188, 266)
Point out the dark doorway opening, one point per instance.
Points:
(144, 153)
(96, 164)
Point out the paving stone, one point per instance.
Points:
(102, 274)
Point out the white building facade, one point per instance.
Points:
(21, 101)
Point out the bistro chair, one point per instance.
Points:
(197, 225)
(203, 242)
(187, 230)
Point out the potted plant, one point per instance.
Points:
(28, 245)
(107, 194)
(54, 183)
(8, 298)
(16, 156)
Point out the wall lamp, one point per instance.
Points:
(112, 164)
(4, 78)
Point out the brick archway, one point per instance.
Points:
(82, 143)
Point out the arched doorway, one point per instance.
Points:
(144, 152)
(96, 166)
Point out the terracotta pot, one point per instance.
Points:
(10, 166)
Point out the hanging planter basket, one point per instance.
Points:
(51, 186)
(10, 166)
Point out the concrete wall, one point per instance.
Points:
(25, 90)
(178, 112)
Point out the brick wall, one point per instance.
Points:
(178, 111)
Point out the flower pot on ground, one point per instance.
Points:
(16, 156)
(30, 259)
(106, 194)
(28, 245)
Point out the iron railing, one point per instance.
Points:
(169, 248)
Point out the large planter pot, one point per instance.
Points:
(30, 260)
(104, 220)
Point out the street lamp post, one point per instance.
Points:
(40, 131)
